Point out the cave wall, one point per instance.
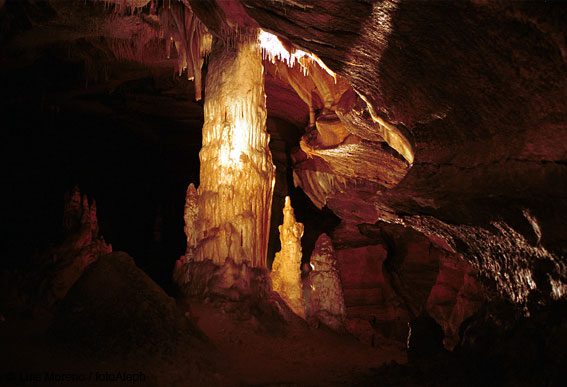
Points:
(480, 87)
(392, 275)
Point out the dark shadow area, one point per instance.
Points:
(135, 162)
(499, 347)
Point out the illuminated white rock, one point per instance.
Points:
(228, 216)
(273, 49)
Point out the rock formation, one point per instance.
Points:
(326, 302)
(445, 77)
(230, 212)
(286, 269)
(392, 275)
(115, 311)
(116, 303)
(227, 218)
(445, 120)
(59, 268)
(456, 296)
(192, 41)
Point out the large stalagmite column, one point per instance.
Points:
(233, 203)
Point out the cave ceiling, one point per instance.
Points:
(448, 117)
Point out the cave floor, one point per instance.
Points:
(239, 350)
(265, 352)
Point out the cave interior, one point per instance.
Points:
(284, 192)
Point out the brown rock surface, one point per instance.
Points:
(326, 302)
(446, 117)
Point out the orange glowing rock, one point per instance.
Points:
(286, 269)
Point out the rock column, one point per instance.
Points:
(230, 212)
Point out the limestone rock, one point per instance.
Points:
(474, 174)
(228, 216)
(326, 301)
(191, 216)
(81, 224)
(362, 330)
(286, 269)
(456, 296)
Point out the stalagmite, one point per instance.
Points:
(286, 272)
(326, 301)
(64, 264)
(228, 216)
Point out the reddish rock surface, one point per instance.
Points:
(479, 89)
(398, 275)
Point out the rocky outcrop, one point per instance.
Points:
(115, 316)
(116, 307)
(323, 286)
(286, 269)
(455, 296)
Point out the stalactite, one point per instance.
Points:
(127, 5)
(286, 269)
(192, 40)
(176, 24)
(273, 49)
(229, 215)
